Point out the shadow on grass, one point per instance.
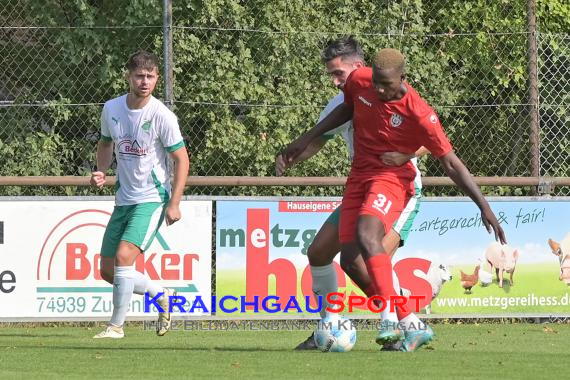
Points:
(507, 286)
(495, 284)
(20, 335)
(157, 348)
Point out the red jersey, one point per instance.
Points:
(402, 125)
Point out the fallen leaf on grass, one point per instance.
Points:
(548, 330)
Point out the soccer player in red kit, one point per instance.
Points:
(388, 115)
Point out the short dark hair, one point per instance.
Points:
(345, 47)
(142, 59)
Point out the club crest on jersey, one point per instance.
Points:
(146, 125)
(433, 118)
(396, 120)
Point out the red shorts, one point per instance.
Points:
(383, 196)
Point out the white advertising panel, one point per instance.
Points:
(50, 259)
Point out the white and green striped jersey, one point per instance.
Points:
(143, 138)
(346, 131)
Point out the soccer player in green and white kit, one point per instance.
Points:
(341, 58)
(145, 134)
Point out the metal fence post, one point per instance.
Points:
(533, 90)
(168, 56)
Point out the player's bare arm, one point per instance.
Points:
(340, 115)
(181, 168)
(104, 160)
(457, 171)
(313, 148)
(399, 159)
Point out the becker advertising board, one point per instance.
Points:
(52, 251)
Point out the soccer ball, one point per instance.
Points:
(335, 333)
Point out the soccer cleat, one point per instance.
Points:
(416, 339)
(308, 344)
(164, 321)
(392, 346)
(389, 334)
(111, 331)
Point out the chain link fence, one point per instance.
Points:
(248, 79)
(554, 87)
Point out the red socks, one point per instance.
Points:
(380, 270)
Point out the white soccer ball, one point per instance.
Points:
(335, 333)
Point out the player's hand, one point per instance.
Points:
(294, 149)
(492, 224)
(97, 179)
(280, 165)
(172, 214)
(395, 158)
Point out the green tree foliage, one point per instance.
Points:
(248, 77)
(66, 65)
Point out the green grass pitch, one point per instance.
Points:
(460, 351)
